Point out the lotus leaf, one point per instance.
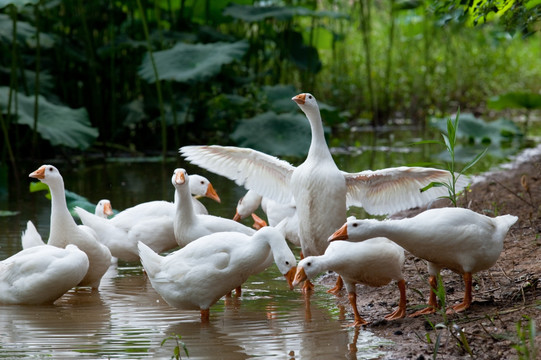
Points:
(516, 100)
(477, 129)
(192, 62)
(58, 124)
(278, 134)
(17, 3)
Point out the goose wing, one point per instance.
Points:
(390, 190)
(265, 174)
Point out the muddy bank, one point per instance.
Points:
(503, 295)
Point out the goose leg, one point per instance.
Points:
(401, 311)
(359, 321)
(337, 287)
(307, 287)
(238, 291)
(258, 222)
(467, 295)
(205, 315)
(432, 302)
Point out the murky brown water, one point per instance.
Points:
(127, 319)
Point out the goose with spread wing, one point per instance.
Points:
(320, 190)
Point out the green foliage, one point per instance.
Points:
(449, 142)
(277, 134)
(424, 58)
(192, 62)
(479, 131)
(17, 3)
(525, 344)
(515, 100)
(176, 350)
(58, 124)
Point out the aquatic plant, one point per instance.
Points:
(176, 350)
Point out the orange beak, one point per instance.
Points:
(38, 174)
(258, 222)
(299, 99)
(212, 194)
(179, 178)
(340, 234)
(300, 276)
(107, 209)
(237, 216)
(290, 275)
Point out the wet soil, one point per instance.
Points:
(504, 296)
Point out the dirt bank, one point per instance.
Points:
(504, 295)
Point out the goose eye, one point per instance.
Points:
(308, 264)
(50, 169)
(287, 263)
(309, 96)
(202, 182)
(355, 225)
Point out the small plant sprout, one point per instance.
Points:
(449, 142)
(176, 350)
(525, 345)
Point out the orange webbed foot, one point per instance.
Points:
(397, 314)
(425, 311)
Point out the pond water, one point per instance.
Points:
(127, 319)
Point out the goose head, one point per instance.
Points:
(307, 102)
(180, 178)
(201, 186)
(354, 230)
(306, 269)
(283, 257)
(46, 174)
(104, 208)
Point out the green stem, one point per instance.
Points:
(365, 29)
(36, 90)
(158, 83)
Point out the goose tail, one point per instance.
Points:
(150, 260)
(30, 237)
(506, 221)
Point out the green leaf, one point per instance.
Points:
(17, 3)
(480, 131)
(277, 134)
(250, 13)
(475, 160)
(6, 213)
(434, 184)
(279, 97)
(515, 100)
(58, 124)
(39, 186)
(192, 62)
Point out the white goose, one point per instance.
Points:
(150, 223)
(41, 274)
(188, 225)
(65, 231)
(198, 275)
(374, 262)
(130, 217)
(31, 236)
(321, 192)
(276, 212)
(454, 238)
